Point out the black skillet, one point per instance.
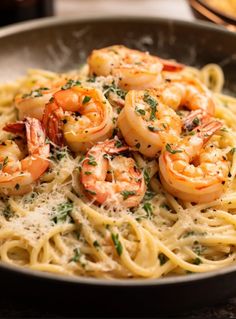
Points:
(63, 44)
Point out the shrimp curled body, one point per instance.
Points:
(80, 116)
(110, 178)
(191, 94)
(19, 171)
(146, 123)
(192, 170)
(133, 69)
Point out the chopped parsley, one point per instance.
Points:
(35, 93)
(92, 79)
(77, 255)
(140, 111)
(188, 233)
(146, 176)
(57, 154)
(197, 261)
(96, 244)
(87, 173)
(197, 248)
(148, 209)
(7, 212)
(162, 258)
(152, 128)
(118, 144)
(114, 89)
(149, 195)
(153, 105)
(70, 83)
(170, 150)
(92, 161)
(117, 243)
(90, 192)
(86, 99)
(63, 210)
(127, 194)
(165, 206)
(5, 161)
(196, 121)
(192, 233)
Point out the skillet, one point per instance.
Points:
(60, 44)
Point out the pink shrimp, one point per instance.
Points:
(19, 170)
(112, 180)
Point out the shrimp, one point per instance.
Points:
(189, 93)
(80, 116)
(147, 124)
(21, 167)
(113, 179)
(133, 69)
(193, 170)
(194, 119)
(32, 104)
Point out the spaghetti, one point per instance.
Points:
(57, 228)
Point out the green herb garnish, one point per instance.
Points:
(197, 261)
(148, 209)
(170, 150)
(86, 99)
(70, 83)
(162, 258)
(7, 212)
(127, 194)
(153, 105)
(140, 111)
(118, 144)
(92, 161)
(149, 195)
(77, 255)
(196, 121)
(63, 210)
(146, 176)
(96, 244)
(117, 243)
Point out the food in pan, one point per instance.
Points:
(226, 6)
(124, 168)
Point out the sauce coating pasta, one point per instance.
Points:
(140, 178)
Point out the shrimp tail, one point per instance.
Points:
(115, 147)
(194, 119)
(36, 137)
(206, 130)
(52, 123)
(16, 128)
(171, 66)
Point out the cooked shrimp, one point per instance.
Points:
(147, 124)
(19, 170)
(32, 104)
(82, 116)
(191, 94)
(192, 170)
(133, 69)
(113, 179)
(194, 119)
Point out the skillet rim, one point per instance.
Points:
(175, 280)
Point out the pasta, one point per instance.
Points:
(56, 227)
